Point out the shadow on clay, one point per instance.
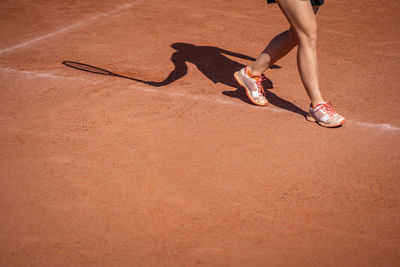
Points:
(209, 60)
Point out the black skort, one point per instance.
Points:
(313, 2)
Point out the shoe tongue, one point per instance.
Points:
(320, 104)
(257, 78)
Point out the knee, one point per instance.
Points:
(309, 38)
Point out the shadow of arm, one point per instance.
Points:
(179, 71)
(238, 55)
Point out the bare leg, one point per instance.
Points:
(279, 47)
(282, 44)
(301, 17)
(302, 32)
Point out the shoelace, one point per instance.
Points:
(261, 78)
(328, 108)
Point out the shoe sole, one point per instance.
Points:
(311, 119)
(242, 84)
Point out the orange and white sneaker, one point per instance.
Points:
(252, 85)
(325, 115)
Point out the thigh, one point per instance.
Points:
(301, 15)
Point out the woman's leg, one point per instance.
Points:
(278, 48)
(302, 19)
(282, 44)
(303, 32)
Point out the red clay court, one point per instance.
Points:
(168, 164)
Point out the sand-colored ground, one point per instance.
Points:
(106, 171)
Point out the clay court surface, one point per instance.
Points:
(101, 170)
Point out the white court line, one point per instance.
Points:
(175, 94)
(68, 28)
(36, 74)
(39, 74)
(381, 126)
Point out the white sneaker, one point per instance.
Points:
(325, 115)
(252, 85)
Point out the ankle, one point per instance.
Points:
(253, 72)
(315, 102)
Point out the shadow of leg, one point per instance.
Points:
(241, 94)
(284, 104)
(273, 99)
